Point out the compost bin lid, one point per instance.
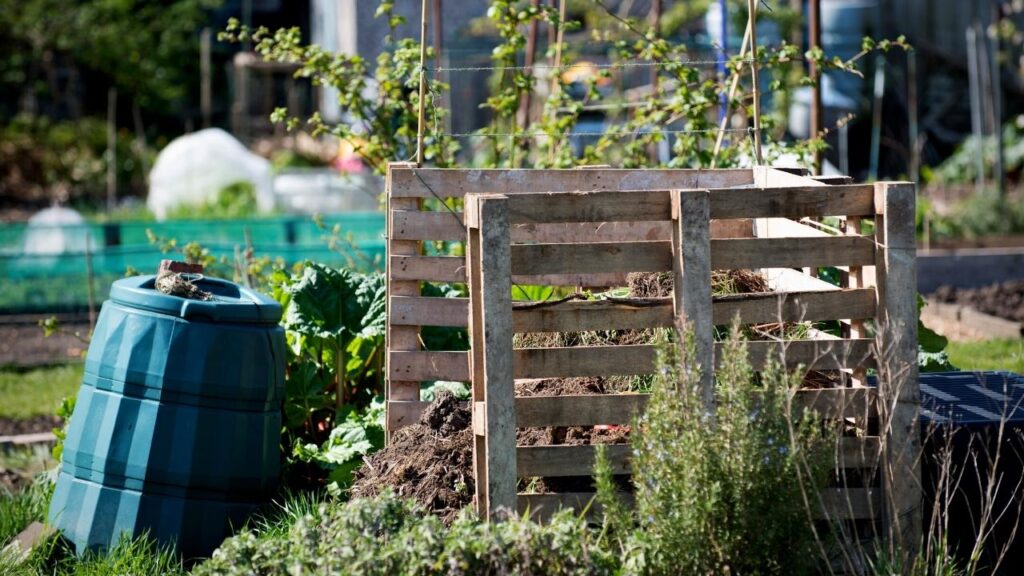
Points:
(230, 302)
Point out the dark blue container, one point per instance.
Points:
(177, 425)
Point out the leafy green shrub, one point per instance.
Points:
(962, 166)
(357, 434)
(388, 535)
(43, 160)
(721, 491)
(334, 326)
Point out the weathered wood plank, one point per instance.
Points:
(835, 403)
(601, 257)
(553, 461)
(591, 410)
(412, 182)
(492, 346)
(691, 267)
(578, 410)
(898, 381)
(420, 225)
(402, 413)
(795, 202)
(835, 504)
(558, 461)
(738, 253)
(858, 453)
(453, 269)
(593, 206)
(428, 365)
(400, 337)
(429, 311)
(584, 361)
(428, 268)
(850, 504)
(818, 354)
(432, 226)
(582, 315)
(767, 307)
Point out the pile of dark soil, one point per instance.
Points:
(1005, 300)
(44, 423)
(568, 436)
(430, 462)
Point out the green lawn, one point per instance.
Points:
(27, 393)
(1005, 354)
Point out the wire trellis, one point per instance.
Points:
(592, 134)
(611, 65)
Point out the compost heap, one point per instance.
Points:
(1005, 299)
(432, 461)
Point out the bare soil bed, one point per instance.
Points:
(23, 345)
(1005, 300)
(14, 427)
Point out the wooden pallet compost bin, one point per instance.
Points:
(590, 228)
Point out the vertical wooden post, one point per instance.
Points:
(490, 262)
(755, 89)
(899, 389)
(424, 13)
(691, 261)
(403, 338)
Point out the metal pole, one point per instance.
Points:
(523, 116)
(752, 23)
(438, 31)
(997, 101)
(975, 92)
(814, 41)
(723, 26)
(423, 82)
(915, 153)
(876, 116)
(655, 19)
(723, 121)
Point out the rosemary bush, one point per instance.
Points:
(719, 491)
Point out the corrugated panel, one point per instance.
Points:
(972, 398)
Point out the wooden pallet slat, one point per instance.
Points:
(429, 311)
(412, 182)
(793, 202)
(580, 361)
(768, 307)
(428, 365)
(582, 315)
(747, 253)
(419, 225)
(554, 461)
(593, 258)
(817, 354)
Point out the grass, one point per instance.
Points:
(38, 391)
(18, 510)
(1002, 354)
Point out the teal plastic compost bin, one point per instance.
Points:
(177, 426)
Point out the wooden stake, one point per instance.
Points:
(732, 94)
(752, 25)
(423, 82)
